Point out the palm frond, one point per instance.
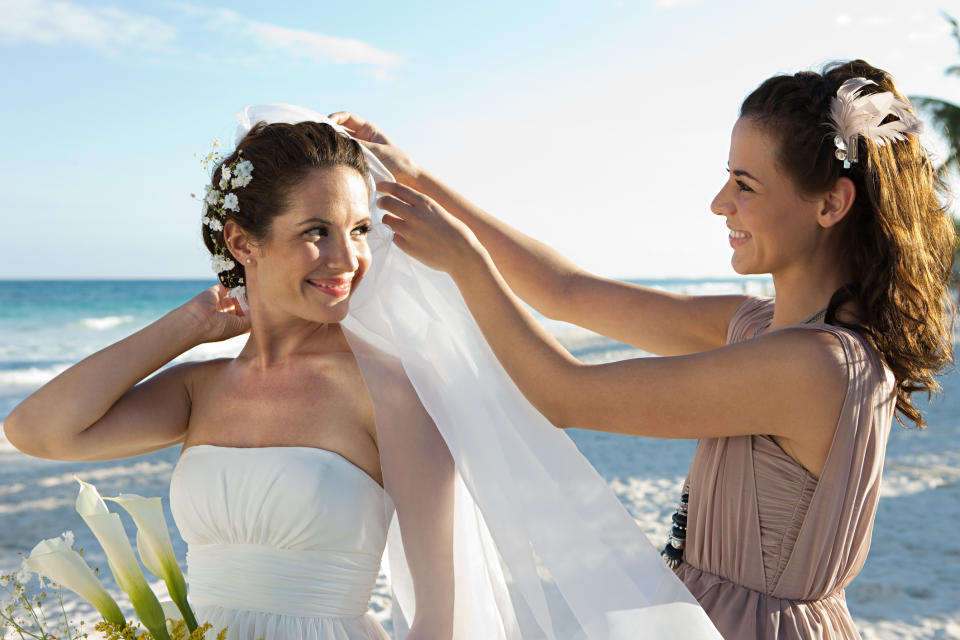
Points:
(953, 23)
(945, 117)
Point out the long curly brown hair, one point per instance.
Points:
(898, 236)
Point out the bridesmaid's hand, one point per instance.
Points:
(215, 315)
(424, 229)
(403, 168)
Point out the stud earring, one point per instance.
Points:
(249, 261)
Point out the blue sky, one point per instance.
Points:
(599, 127)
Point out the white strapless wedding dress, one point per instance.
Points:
(284, 543)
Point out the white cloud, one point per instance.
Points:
(111, 30)
(292, 42)
(319, 46)
(62, 22)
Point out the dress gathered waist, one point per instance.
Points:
(281, 581)
(742, 612)
(708, 577)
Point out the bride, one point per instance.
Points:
(365, 412)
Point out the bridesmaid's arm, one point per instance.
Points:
(789, 383)
(655, 321)
(652, 320)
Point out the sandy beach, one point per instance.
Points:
(909, 588)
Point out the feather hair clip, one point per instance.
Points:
(853, 115)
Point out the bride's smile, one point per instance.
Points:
(336, 287)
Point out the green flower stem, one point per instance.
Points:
(29, 608)
(150, 612)
(109, 610)
(63, 612)
(177, 588)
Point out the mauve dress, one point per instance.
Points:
(769, 547)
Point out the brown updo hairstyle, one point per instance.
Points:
(282, 155)
(897, 238)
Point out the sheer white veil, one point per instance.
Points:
(541, 548)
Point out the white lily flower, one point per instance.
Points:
(156, 550)
(55, 559)
(123, 563)
(213, 197)
(230, 202)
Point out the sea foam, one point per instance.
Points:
(106, 322)
(32, 377)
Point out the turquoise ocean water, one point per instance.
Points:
(45, 326)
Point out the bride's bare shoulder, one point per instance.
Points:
(196, 374)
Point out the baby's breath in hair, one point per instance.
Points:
(216, 202)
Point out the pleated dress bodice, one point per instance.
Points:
(283, 542)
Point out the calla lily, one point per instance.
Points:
(55, 559)
(123, 563)
(156, 551)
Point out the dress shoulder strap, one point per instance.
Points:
(861, 358)
(753, 313)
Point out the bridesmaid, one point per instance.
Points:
(791, 398)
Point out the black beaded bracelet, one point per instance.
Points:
(673, 552)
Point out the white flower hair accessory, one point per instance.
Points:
(230, 202)
(216, 202)
(220, 263)
(243, 175)
(240, 295)
(853, 115)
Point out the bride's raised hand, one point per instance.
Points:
(427, 232)
(216, 314)
(403, 168)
